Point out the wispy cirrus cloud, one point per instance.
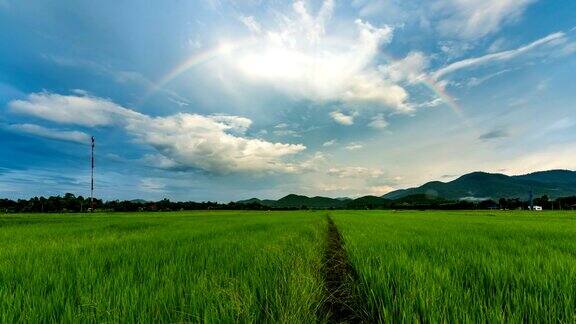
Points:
(552, 39)
(463, 19)
(353, 146)
(50, 133)
(75, 109)
(471, 19)
(355, 172)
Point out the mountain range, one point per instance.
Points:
(482, 185)
(474, 186)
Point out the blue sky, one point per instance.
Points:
(226, 100)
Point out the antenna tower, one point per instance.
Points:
(92, 178)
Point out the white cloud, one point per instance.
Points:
(497, 45)
(341, 118)
(568, 49)
(411, 68)
(477, 18)
(355, 172)
(431, 103)
(251, 24)
(378, 122)
(286, 132)
(80, 110)
(372, 88)
(160, 161)
(551, 39)
(380, 190)
(234, 123)
(353, 146)
(329, 143)
(190, 140)
(313, 26)
(474, 81)
(152, 185)
(56, 134)
(454, 49)
(301, 59)
(202, 142)
(464, 19)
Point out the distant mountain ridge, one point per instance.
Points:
(554, 183)
(471, 186)
(297, 201)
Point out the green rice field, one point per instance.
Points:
(464, 266)
(240, 266)
(161, 267)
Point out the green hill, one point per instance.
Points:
(554, 183)
(368, 202)
(299, 201)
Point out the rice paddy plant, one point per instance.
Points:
(161, 267)
(440, 266)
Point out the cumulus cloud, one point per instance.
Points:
(299, 58)
(372, 88)
(341, 118)
(211, 143)
(55, 134)
(378, 122)
(552, 39)
(160, 161)
(203, 142)
(233, 123)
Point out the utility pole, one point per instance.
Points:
(92, 179)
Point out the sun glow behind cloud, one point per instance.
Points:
(301, 59)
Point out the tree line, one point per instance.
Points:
(74, 204)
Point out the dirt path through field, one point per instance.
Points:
(341, 304)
